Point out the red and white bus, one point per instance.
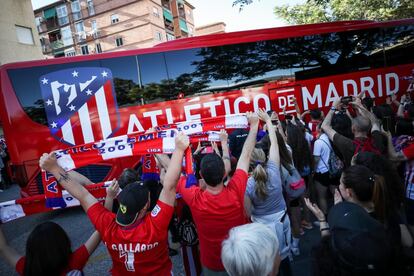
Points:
(51, 104)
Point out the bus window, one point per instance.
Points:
(154, 78)
(125, 76)
(252, 64)
(25, 82)
(337, 53)
(187, 70)
(399, 45)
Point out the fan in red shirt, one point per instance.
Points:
(48, 252)
(218, 208)
(136, 240)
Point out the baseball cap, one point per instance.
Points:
(358, 240)
(131, 201)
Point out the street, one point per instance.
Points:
(79, 228)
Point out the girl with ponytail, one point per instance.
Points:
(264, 201)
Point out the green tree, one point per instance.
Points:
(314, 11)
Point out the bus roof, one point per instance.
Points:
(223, 39)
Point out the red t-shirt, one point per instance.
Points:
(409, 152)
(139, 250)
(215, 215)
(77, 262)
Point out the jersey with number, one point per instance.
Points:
(141, 249)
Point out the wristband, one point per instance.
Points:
(226, 157)
(324, 220)
(324, 229)
(334, 108)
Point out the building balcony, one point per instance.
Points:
(167, 15)
(76, 16)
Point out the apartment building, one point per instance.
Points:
(213, 28)
(81, 27)
(18, 40)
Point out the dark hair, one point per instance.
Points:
(368, 102)
(48, 250)
(367, 187)
(410, 110)
(315, 114)
(404, 127)
(380, 165)
(300, 147)
(285, 157)
(212, 169)
(127, 176)
(342, 124)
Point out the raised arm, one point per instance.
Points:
(92, 243)
(49, 163)
(326, 125)
(83, 180)
(274, 147)
(8, 253)
(250, 142)
(111, 193)
(174, 169)
(367, 114)
(224, 138)
(163, 160)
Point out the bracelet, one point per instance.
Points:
(226, 157)
(334, 108)
(324, 229)
(324, 220)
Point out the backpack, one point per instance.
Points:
(365, 146)
(335, 165)
(292, 182)
(186, 229)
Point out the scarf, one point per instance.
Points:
(138, 144)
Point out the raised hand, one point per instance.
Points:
(48, 161)
(315, 210)
(263, 116)
(182, 141)
(113, 190)
(252, 118)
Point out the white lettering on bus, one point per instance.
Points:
(367, 88)
(366, 84)
(212, 105)
(169, 116)
(134, 122)
(237, 103)
(153, 114)
(388, 83)
(354, 87)
(259, 97)
(332, 94)
(187, 112)
(311, 99)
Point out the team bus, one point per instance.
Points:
(52, 104)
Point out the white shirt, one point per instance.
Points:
(322, 149)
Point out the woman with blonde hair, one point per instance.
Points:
(264, 201)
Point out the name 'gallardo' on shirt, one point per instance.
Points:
(133, 247)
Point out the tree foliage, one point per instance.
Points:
(314, 11)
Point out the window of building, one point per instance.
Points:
(76, 10)
(85, 50)
(70, 52)
(170, 37)
(24, 35)
(98, 48)
(190, 30)
(158, 36)
(114, 18)
(155, 12)
(94, 25)
(66, 34)
(189, 14)
(91, 8)
(62, 13)
(119, 42)
(39, 21)
(80, 31)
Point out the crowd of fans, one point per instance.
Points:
(350, 173)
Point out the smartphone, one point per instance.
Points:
(346, 100)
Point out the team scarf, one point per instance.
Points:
(161, 141)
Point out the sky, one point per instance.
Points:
(257, 15)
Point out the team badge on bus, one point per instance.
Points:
(80, 104)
